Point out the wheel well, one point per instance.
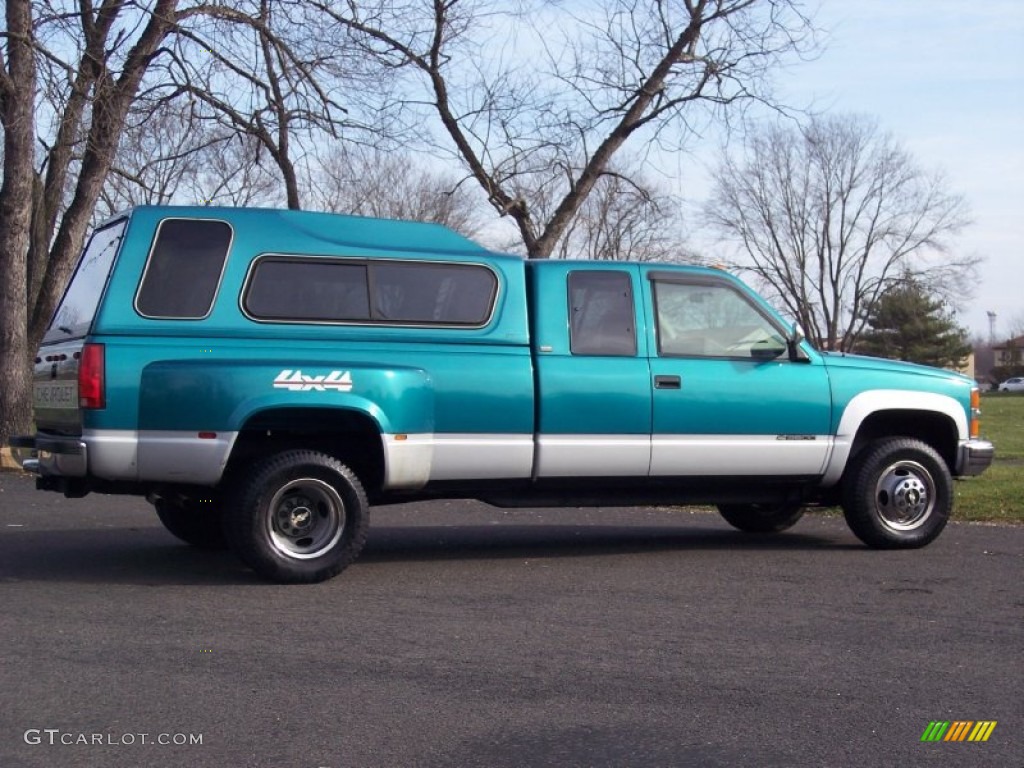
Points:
(350, 436)
(936, 429)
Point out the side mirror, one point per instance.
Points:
(796, 335)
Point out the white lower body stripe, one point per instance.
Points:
(414, 460)
(740, 455)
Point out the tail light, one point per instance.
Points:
(975, 413)
(92, 383)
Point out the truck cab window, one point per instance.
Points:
(712, 320)
(602, 320)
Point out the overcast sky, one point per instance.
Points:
(946, 77)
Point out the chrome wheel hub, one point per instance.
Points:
(306, 518)
(905, 495)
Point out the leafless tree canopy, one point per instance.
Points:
(626, 218)
(831, 215)
(1016, 325)
(396, 185)
(271, 72)
(165, 156)
(535, 102)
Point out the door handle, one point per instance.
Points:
(668, 382)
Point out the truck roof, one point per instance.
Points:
(362, 232)
(276, 228)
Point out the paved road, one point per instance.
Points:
(469, 636)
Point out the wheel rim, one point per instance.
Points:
(306, 518)
(905, 495)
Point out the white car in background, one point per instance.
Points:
(1015, 384)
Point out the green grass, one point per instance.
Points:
(997, 495)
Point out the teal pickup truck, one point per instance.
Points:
(262, 377)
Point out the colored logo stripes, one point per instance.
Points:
(958, 730)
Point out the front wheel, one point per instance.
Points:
(762, 518)
(300, 517)
(898, 494)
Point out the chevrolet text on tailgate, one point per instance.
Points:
(262, 377)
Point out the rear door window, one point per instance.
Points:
(602, 319)
(78, 307)
(184, 269)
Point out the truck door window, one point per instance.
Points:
(184, 269)
(712, 320)
(602, 320)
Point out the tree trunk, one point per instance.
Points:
(49, 190)
(109, 109)
(16, 110)
(291, 181)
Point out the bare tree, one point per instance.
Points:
(118, 46)
(232, 174)
(166, 156)
(394, 185)
(255, 95)
(626, 218)
(272, 71)
(1016, 325)
(831, 215)
(160, 149)
(86, 64)
(17, 68)
(531, 116)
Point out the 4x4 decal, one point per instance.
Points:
(297, 381)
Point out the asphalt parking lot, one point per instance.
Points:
(471, 636)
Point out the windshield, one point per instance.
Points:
(75, 313)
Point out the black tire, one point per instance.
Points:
(897, 494)
(196, 521)
(762, 518)
(300, 517)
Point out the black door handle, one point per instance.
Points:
(668, 382)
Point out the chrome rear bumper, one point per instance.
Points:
(43, 455)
